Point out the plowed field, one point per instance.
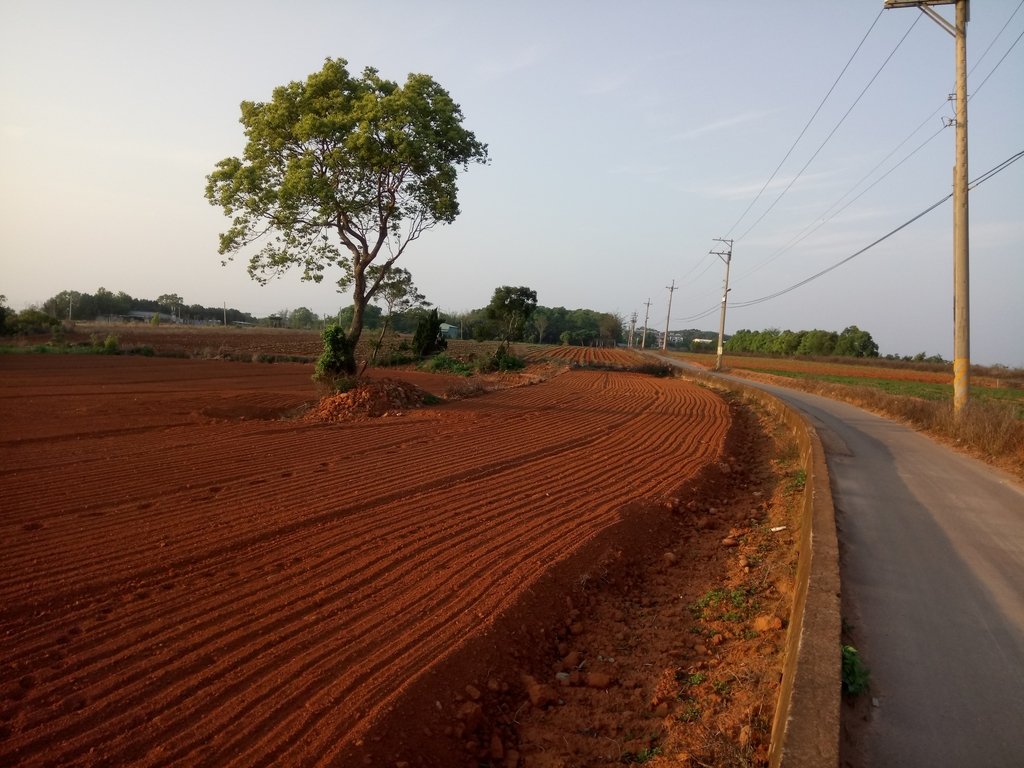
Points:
(192, 575)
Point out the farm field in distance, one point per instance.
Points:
(894, 378)
(193, 573)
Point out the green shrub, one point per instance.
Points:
(428, 339)
(110, 345)
(338, 359)
(443, 363)
(856, 677)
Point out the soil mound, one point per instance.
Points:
(371, 399)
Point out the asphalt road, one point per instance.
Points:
(932, 569)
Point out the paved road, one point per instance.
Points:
(932, 570)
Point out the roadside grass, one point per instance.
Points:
(921, 389)
(992, 429)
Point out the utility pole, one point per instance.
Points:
(725, 256)
(668, 318)
(961, 239)
(632, 327)
(647, 315)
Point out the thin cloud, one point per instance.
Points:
(747, 190)
(728, 122)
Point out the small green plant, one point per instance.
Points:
(643, 756)
(722, 687)
(856, 677)
(695, 679)
(691, 713)
(797, 481)
(723, 604)
(444, 363)
(110, 345)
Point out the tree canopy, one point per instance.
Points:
(852, 342)
(511, 308)
(343, 172)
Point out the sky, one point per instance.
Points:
(623, 137)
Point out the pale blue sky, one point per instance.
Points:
(624, 137)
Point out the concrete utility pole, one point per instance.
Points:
(632, 327)
(725, 256)
(647, 315)
(668, 318)
(961, 239)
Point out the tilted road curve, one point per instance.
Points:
(932, 567)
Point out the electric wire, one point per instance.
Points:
(832, 212)
(831, 133)
(1012, 46)
(977, 182)
(807, 125)
(828, 215)
(801, 236)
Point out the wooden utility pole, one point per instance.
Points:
(725, 256)
(961, 238)
(668, 318)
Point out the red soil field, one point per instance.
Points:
(193, 575)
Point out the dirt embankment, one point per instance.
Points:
(192, 575)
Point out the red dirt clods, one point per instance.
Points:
(385, 397)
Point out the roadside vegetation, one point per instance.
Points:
(916, 393)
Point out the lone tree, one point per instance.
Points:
(361, 161)
(512, 308)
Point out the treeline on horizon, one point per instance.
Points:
(546, 325)
(104, 304)
(851, 342)
(549, 325)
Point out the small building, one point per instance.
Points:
(450, 331)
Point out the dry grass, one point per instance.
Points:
(992, 431)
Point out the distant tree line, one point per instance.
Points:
(852, 342)
(544, 325)
(104, 304)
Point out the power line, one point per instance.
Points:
(832, 132)
(978, 181)
(828, 215)
(1012, 46)
(998, 35)
(807, 125)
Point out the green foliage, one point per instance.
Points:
(338, 358)
(443, 363)
(31, 321)
(645, 755)
(503, 360)
(852, 342)
(690, 680)
(856, 677)
(428, 339)
(512, 308)
(722, 604)
(691, 713)
(340, 170)
(797, 481)
(110, 345)
(302, 318)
